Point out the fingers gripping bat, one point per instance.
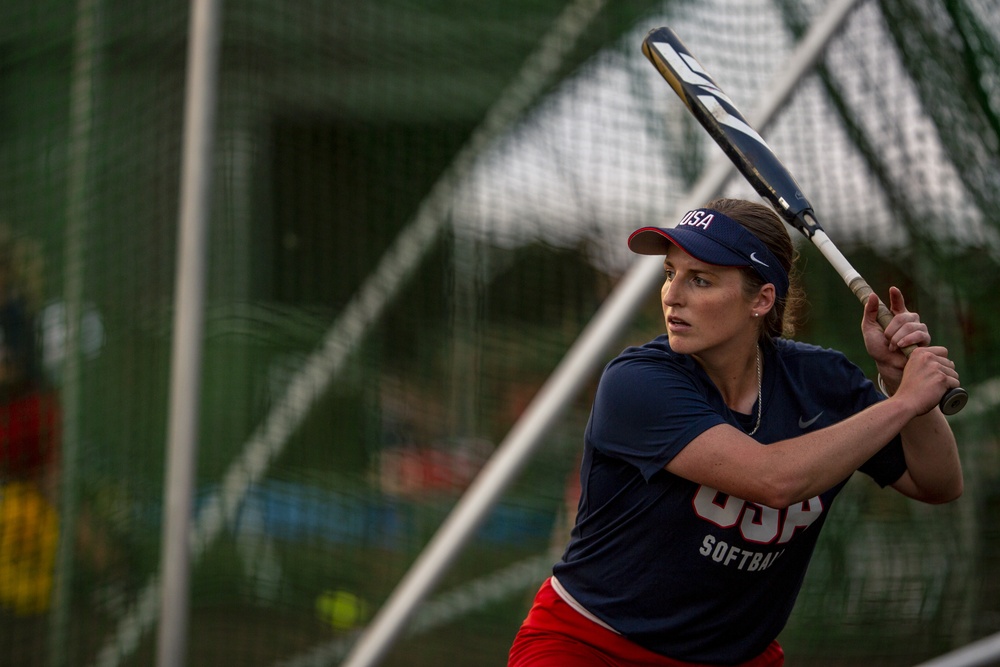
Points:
(758, 164)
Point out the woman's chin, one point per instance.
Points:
(679, 343)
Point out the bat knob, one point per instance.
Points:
(954, 400)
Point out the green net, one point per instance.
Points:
(417, 207)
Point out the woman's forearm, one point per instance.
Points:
(932, 459)
(810, 464)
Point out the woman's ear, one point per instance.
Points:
(764, 301)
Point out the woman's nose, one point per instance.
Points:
(670, 292)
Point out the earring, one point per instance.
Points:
(756, 314)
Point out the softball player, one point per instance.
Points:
(692, 537)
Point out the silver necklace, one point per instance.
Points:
(760, 392)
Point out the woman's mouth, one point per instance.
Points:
(677, 324)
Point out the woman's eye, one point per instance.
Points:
(701, 282)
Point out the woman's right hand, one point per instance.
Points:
(927, 376)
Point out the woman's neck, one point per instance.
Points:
(735, 375)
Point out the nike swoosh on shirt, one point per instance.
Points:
(753, 256)
(806, 423)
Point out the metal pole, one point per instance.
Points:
(365, 307)
(980, 653)
(571, 374)
(81, 121)
(185, 376)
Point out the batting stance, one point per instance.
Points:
(714, 453)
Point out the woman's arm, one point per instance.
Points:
(934, 471)
(789, 471)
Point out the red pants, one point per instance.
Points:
(556, 635)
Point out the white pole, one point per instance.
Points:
(571, 374)
(81, 122)
(980, 653)
(365, 307)
(185, 376)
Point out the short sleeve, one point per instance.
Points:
(647, 410)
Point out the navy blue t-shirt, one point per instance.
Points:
(677, 567)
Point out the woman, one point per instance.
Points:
(691, 539)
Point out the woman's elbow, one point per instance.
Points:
(950, 494)
(938, 494)
(779, 492)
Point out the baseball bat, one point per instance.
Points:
(758, 164)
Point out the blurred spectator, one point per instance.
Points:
(29, 441)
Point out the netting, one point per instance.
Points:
(417, 208)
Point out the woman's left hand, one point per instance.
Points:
(886, 347)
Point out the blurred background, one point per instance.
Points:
(417, 206)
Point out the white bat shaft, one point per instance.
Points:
(835, 257)
(854, 280)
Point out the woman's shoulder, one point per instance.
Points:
(788, 348)
(655, 353)
(641, 368)
(814, 359)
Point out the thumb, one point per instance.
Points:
(896, 303)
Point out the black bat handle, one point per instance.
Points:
(954, 400)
